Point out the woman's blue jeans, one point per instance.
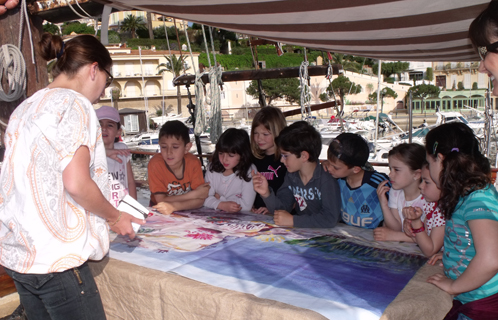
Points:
(71, 294)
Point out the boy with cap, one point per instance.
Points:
(121, 179)
(347, 156)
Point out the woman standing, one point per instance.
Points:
(54, 187)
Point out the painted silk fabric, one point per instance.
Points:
(341, 273)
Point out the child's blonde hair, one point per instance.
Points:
(274, 121)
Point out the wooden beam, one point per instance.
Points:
(314, 107)
(230, 76)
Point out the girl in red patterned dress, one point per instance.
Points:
(428, 218)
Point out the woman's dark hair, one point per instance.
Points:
(485, 26)
(464, 167)
(73, 54)
(411, 154)
(273, 120)
(233, 141)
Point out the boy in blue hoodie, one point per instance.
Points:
(308, 189)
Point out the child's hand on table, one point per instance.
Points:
(229, 206)
(442, 282)
(261, 210)
(164, 208)
(435, 258)
(283, 218)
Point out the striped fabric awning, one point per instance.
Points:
(409, 30)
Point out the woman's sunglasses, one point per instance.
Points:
(483, 51)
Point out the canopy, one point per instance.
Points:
(408, 30)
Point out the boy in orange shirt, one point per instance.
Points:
(175, 175)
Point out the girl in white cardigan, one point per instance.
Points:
(229, 173)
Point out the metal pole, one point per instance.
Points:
(377, 109)
(410, 117)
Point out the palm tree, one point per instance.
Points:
(175, 66)
(132, 23)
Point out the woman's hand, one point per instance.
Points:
(123, 225)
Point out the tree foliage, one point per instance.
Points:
(423, 91)
(282, 88)
(384, 93)
(76, 27)
(391, 68)
(429, 74)
(132, 23)
(175, 66)
(342, 86)
(51, 28)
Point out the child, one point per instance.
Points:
(347, 155)
(311, 192)
(405, 164)
(266, 126)
(175, 175)
(469, 203)
(121, 179)
(428, 219)
(229, 174)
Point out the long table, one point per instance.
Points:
(131, 288)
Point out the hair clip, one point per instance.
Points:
(434, 148)
(59, 55)
(455, 149)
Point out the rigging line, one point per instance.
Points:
(179, 47)
(167, 39)
(75, 12)
(206, 46)
(24, 15)
(189, 48)
(146, 102)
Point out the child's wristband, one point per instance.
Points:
(419, 229)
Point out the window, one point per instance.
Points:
(466, 81)
(131, 123)
(441, 81)
(416, 75)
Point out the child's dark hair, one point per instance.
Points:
(298, 137)
(233, 141)
(464, 168)
(175, 128)
(350, 148)
(274, 121)
(411, 154)
(485, 26)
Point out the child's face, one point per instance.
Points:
(339, 169)
(435, 167)
(428, 188)
(173, 150)
(291, 161)
(229, 160)
(264, 139)
(401, 175)
(110, 132)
